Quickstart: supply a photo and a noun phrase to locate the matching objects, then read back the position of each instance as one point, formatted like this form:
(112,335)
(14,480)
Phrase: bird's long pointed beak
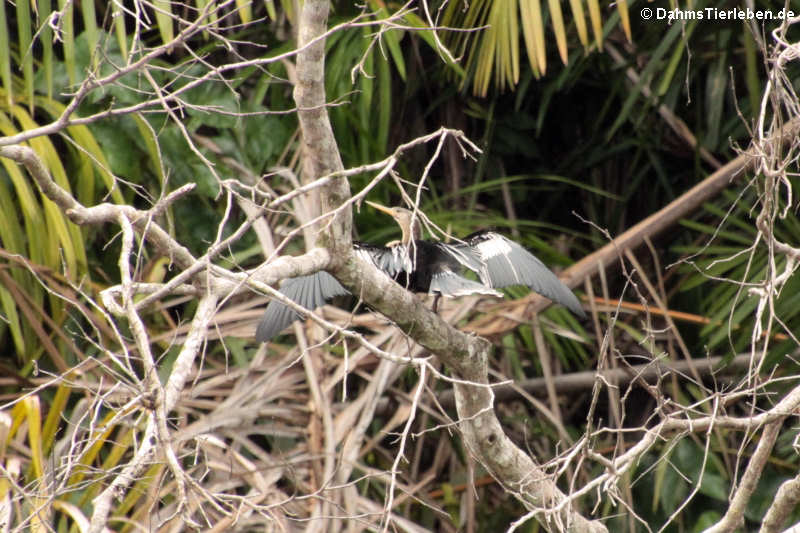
(380,207)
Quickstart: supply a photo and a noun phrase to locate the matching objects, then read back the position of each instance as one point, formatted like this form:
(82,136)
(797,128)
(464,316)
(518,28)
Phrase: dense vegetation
(571,148)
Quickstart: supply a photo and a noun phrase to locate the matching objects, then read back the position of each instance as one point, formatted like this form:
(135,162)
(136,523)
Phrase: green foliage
(726,252)
(493,52)
(579,139)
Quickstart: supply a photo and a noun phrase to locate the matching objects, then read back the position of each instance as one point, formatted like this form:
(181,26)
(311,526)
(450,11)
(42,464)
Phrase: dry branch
(495,320)
(620,376)
(465,354)
(224,404)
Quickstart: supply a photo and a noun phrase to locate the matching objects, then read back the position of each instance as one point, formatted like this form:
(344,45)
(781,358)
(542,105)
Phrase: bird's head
(404,218)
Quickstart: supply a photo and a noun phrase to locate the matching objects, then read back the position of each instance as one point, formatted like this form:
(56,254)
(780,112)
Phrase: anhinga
(427,266)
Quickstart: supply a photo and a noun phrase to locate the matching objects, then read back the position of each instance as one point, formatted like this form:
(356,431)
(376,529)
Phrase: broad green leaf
(288,9)
(366,83)
(715,95)
(91,32)
(68,37)
(12,320)
(655,63)
(54,416)
(97,439)
(270,6)
(712,230)
(533,32)
(245,10)
(46,42)
(83,137)
(707,520)
(210,5)
(5,57)
(557,19)
(163,10)
(11,233)
(118,15)
(25,196)
(753,69)
(427,36)
(714,486)
(65,238)
(392,41)
(580,21)
(660,474)
(33,414)
(597,23)
(674,61)
(139,492)
(384,104)
(24,24)
(487,50)
(622,8)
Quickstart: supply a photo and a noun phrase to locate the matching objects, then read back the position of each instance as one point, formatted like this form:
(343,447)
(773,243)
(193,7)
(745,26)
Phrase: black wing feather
(449,283)
(315,290)
(507,263)
(310,291)
(390,259)
(498,262)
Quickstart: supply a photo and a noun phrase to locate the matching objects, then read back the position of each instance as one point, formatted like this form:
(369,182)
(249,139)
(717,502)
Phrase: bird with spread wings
(429,267)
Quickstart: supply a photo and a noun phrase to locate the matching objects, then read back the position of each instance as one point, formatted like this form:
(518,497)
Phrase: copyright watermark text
(714,14)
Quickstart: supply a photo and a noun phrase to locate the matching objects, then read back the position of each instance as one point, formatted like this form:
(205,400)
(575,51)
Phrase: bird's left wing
(390,259)
(505,263)
(310,291)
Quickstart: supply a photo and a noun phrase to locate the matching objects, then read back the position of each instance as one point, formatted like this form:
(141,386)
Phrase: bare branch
(467,355)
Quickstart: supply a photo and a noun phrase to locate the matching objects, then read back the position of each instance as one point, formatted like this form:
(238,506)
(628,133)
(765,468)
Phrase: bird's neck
(414,233)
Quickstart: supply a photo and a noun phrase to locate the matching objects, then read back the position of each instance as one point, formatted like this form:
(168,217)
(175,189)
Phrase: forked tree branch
(466,354)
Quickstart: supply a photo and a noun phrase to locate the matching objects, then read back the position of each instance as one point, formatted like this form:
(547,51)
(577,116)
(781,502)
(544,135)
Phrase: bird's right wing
(310,291)
(449,283)
(505,263)
(315,290)
(465,254)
